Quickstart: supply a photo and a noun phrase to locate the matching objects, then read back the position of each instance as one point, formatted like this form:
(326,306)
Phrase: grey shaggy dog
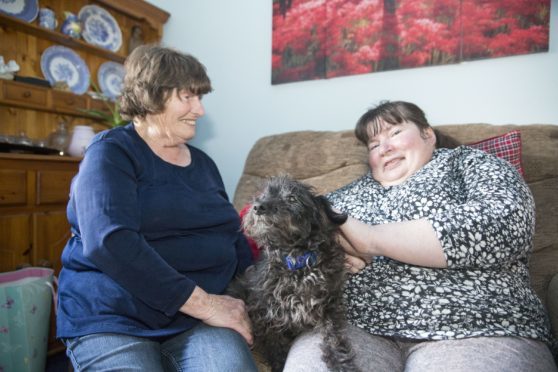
(297,283)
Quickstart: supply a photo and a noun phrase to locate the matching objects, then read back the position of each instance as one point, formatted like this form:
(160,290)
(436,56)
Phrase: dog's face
(287,212)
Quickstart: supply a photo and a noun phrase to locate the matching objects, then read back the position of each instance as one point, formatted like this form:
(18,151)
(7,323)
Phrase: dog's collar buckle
(308,259)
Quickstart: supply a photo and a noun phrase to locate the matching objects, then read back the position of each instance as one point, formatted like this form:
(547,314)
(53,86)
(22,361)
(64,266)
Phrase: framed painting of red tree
(317,39)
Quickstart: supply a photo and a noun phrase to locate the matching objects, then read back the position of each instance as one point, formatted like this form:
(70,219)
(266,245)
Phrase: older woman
(448,236)
(155,240)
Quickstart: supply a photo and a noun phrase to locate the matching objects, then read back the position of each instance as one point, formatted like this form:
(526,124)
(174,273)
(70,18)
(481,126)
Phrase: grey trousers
(382,354)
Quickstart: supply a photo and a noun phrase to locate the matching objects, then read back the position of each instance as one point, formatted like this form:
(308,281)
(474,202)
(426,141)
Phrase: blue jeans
(202,348)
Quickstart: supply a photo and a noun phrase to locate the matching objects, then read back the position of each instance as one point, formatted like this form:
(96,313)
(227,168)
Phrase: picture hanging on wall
(319,39)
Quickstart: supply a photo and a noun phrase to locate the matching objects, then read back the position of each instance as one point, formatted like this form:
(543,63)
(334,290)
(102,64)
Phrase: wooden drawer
(53,187)
(68,101)
(25,94)
(13,187)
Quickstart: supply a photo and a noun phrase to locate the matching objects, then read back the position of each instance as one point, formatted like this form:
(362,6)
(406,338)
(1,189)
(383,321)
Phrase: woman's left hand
(219,311)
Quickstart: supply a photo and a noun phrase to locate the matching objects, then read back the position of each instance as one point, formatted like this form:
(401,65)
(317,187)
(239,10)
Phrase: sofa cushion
(506,146)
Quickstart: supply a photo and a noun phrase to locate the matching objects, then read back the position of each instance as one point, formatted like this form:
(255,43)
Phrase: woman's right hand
(413,242)
(219,311)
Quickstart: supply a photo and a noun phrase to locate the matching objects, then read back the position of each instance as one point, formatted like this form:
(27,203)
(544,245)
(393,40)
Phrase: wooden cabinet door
(51,232)
(15,241)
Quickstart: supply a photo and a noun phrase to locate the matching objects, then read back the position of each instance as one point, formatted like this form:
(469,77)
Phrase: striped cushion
(506,146)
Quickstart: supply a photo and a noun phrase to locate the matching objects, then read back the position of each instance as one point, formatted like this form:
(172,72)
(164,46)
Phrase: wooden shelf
(34,97)
(58,37)
(32,157)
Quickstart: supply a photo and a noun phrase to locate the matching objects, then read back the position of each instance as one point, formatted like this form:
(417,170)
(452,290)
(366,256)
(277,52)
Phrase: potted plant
(111,118)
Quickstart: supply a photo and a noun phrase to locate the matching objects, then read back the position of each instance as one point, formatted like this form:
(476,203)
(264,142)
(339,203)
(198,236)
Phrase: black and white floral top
(483,214)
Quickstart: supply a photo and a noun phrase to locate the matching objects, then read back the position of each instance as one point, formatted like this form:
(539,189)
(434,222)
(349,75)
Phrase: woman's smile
(393,163)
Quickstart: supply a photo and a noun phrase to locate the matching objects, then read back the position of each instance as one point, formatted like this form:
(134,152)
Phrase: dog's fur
(288,218)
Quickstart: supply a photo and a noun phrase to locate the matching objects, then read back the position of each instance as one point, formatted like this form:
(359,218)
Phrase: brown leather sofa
(329,160)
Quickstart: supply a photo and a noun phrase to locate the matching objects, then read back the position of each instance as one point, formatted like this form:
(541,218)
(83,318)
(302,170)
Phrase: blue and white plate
(59,63)
(100,28)
(22,9)
(111,79)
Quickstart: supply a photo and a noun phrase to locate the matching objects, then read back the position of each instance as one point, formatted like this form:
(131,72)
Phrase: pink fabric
(506,146)
(30,272)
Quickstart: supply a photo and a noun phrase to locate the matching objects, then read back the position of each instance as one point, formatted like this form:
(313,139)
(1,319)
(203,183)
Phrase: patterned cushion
(506,146)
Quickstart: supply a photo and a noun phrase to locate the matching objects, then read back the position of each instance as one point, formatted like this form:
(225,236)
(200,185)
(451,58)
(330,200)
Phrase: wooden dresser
(34,189)
(34,193)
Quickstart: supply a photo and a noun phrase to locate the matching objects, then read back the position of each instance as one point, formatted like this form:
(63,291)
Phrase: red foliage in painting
(353,37)
(314,39)
(299,39)
(493,28)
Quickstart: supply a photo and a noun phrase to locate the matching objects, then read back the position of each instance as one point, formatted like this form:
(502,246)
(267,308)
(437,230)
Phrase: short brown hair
(153,72)
(393,113)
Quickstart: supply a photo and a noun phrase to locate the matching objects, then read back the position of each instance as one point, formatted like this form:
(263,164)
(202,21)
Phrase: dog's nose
(262,208)
(259,209)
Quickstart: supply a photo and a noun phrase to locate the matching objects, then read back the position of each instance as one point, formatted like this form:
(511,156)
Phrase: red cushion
(506,146)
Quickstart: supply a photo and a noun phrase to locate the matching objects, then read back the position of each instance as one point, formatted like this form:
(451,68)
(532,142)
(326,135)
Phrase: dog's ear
(333,216)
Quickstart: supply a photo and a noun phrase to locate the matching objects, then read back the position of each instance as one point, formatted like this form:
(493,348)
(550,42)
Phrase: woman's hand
(354,264)
(414,242)
(219,311)
(350,250)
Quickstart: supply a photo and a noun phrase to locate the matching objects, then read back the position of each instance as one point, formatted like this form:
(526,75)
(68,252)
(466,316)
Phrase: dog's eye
(291,198)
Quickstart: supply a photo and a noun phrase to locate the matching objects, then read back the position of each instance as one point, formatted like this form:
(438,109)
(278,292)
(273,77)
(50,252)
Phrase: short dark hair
(153,72)
(393,113)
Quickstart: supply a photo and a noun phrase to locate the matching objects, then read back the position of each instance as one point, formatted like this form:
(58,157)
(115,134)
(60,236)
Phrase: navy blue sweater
(145,233)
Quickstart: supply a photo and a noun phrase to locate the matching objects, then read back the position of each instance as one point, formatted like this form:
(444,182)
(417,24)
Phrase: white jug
(81,138)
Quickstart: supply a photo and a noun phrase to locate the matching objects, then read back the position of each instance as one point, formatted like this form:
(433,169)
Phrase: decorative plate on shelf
(111,78)
(100,28)
(26,10)
(59,63)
